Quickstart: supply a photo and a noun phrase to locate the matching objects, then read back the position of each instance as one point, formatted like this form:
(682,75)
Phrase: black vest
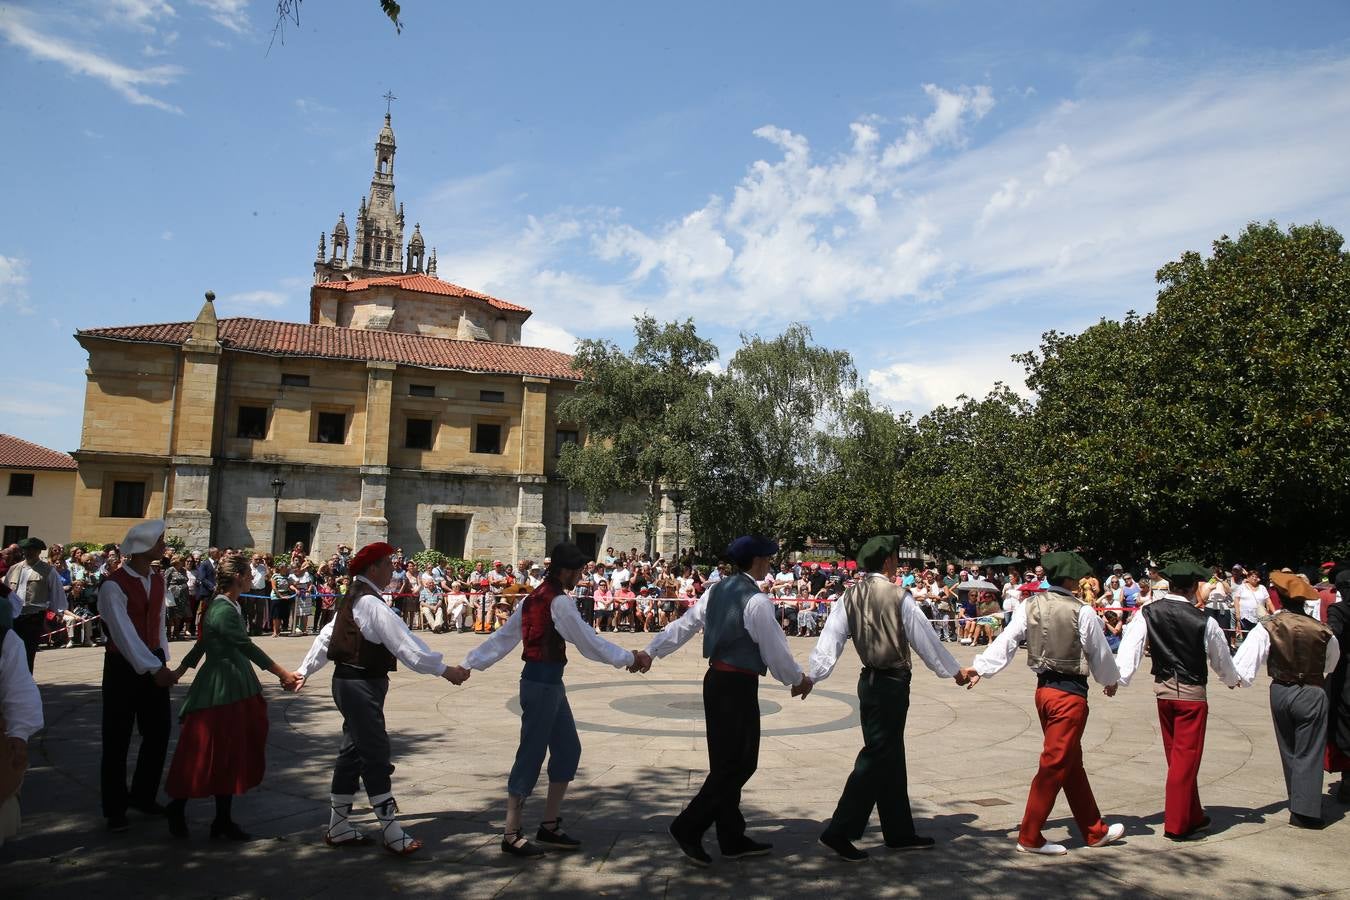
(1176,639)
(346,644)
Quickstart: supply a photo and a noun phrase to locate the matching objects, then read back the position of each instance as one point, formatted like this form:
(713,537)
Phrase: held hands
(291,681)
(642,662)
(967,678)
(1110,690)
(456,675)
(803,687)
(167,677)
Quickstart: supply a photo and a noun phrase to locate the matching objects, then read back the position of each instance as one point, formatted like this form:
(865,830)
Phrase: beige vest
(34,596)
(1298,648)
(873,608)
(1053,641)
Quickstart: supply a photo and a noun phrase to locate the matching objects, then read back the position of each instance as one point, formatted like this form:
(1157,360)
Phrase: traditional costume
(545,622)
(742,641)
(1338,691)
(20,718)
(365,641)
(131,604)
(1181,639)
(1065,643)
(39,590)
(1299,652)
(885,623)
(222,745)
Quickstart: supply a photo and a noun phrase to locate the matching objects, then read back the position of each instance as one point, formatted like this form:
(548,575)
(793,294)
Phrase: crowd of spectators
(295,594)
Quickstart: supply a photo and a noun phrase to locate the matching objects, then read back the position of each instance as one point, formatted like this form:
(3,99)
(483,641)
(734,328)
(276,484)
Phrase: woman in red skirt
(221,747)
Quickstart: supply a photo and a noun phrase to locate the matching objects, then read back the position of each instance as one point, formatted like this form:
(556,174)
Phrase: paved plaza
(971,756)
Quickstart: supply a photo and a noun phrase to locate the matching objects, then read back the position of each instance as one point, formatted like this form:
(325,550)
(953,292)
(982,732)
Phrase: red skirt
(221,750)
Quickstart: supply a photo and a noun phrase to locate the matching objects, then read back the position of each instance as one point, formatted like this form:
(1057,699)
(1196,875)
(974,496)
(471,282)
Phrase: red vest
(540,639)
(146,613)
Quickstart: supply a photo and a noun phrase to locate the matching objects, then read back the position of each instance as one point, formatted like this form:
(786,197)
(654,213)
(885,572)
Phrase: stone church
(405,409)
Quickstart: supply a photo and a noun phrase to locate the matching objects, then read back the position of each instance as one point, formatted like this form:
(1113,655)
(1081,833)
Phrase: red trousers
(1183,734)
(1063,718)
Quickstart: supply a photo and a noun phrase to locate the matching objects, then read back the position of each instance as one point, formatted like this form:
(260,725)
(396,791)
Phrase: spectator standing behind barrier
(283,595)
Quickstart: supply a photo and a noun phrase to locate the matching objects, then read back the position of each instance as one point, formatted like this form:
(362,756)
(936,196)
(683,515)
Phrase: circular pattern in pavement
(629,711)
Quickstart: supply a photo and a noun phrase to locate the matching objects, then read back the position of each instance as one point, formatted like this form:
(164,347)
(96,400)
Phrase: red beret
(1030,587)
(368,556)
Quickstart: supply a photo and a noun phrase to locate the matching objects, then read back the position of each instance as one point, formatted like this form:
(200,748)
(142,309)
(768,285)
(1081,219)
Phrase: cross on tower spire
(389,98)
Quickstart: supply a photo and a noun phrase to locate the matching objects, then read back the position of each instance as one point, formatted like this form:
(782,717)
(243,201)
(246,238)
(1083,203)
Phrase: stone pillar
(371,524)
(665,527)
(189,517)
(531,535)
(533,426)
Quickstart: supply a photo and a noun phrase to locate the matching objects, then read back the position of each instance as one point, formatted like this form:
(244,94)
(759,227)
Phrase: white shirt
(759,621)
(19,698)
(380,625)
(618,578)
(1256,647)
(1003,648)
(1251,601)
(1131,652)
(56,591)
(918,631)
(569,625)
(112,608)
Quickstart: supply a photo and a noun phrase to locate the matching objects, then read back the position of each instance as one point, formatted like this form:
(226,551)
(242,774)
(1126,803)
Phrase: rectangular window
(128,500)
(418,435)
(492,396)
(421,390)
(448,534)
(15,533)
(292,380)
(252,423)
(331,428)
(20,485)
(487,438)
(296,532)
(562,438)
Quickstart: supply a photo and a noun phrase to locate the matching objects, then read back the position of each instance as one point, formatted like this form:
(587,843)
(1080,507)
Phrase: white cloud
(262,299)
(926,379)
(231,14)
(537,333)
(126,80)
(166,236)
(1060,167)
(13,282)
(945,125)
(142,15)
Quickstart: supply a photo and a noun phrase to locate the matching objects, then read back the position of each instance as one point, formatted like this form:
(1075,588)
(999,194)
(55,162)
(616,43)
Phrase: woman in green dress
(222,744)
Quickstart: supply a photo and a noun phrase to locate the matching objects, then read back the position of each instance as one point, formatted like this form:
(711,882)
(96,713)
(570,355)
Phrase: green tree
(641,412)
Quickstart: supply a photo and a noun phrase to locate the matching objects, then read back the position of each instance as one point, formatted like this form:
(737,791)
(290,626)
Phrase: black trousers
(364,754)
(131,700)
(879,778)
(731,709)
(29,628)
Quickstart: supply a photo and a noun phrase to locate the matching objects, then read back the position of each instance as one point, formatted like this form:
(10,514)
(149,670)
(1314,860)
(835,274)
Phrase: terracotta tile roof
(424,284)
(331,342)
(16,453)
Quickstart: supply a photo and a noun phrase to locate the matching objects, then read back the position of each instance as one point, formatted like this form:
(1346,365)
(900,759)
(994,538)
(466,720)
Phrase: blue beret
(744,549)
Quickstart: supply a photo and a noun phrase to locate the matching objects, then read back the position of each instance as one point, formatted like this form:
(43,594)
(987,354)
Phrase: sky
(929,185)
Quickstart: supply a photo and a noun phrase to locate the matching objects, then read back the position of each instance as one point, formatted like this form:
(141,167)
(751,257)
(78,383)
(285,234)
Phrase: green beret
(873,553)
(32,543)
(1064,564)
(1185,568)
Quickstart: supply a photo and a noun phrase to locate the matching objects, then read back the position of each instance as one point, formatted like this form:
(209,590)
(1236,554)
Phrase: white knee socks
(387,811)
(340,830)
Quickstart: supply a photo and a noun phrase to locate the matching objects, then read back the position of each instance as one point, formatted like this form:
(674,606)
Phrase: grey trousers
(1300,714)
(364,754)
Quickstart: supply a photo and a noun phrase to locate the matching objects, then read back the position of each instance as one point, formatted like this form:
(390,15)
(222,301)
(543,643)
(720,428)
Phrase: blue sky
(928,184)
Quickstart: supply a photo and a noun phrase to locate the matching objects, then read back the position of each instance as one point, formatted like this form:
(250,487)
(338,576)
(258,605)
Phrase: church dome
(386,133)
(417,243)
(340,229)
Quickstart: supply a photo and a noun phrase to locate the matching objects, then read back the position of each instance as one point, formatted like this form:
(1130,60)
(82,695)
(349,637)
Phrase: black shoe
(843,847)
(229,831)
(913,842)
(555,838)
(525,848)
(746,847)
(692,850)
(1310,822)
(1195,834)
(151,808)
(118,824)
(177,821)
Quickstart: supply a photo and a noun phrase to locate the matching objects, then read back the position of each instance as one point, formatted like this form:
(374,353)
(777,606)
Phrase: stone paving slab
(972,754)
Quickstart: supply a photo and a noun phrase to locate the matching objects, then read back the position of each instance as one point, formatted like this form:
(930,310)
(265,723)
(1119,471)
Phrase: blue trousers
(546,725)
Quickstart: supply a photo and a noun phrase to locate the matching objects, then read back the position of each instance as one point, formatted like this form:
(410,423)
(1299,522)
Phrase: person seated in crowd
(806,613)
(1114,628)
(77,617)
(626,603)
(458,610)
(648,614)
(604,606)
(429,605)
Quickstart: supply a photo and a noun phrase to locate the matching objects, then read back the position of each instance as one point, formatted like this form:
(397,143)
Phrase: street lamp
(278,486)
(676,495)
